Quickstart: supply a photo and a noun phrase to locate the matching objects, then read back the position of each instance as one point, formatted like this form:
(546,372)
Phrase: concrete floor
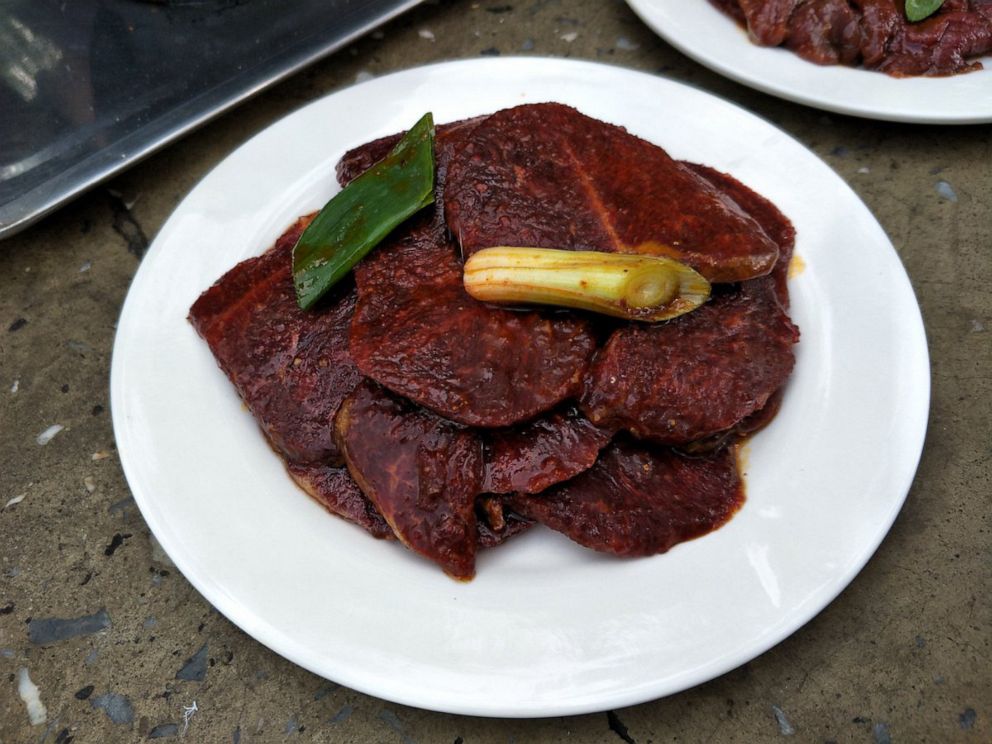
(903,655)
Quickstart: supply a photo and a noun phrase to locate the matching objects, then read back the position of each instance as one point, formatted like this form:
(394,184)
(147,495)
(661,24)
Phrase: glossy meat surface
(826,32)
(531,457)
(767,20)
(292,368)
(740,431)
(335,490)
(346,383)
(944,43)
(638,500)
(421,472)
(872,33)
(643,416)
(882,21)
(697,375)
(544,175)
(418,332)
(775,224)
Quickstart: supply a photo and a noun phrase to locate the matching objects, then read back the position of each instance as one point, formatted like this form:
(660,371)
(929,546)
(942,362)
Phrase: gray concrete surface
(903,655)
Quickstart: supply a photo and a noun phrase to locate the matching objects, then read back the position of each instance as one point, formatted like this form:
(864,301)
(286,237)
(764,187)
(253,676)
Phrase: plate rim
(725,68)
(230,607)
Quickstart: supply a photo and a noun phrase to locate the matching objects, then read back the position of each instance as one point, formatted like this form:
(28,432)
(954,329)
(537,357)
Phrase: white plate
(546,628)
(713,39)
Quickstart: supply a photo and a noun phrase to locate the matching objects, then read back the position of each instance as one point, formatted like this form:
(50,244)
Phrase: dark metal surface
(89,86)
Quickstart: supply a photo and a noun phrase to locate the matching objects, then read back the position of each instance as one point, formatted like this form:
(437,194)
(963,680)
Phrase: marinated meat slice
(826,32)
(740,431)
(546,176)
(779,228)
(768,20)
(418,332)
(939,45)
(292,368)
(536,455)
(421,472)
(881,21)
(638,500)
(874,33)
(775,224)
(335,490)
(697,375)
(359,159)
(496,525)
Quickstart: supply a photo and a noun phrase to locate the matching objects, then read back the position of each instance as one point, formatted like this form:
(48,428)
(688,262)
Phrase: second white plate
(546,628)
(713,39)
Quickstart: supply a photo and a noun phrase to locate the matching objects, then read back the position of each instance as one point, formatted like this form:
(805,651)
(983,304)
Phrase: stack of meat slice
(873,33)
(407,407)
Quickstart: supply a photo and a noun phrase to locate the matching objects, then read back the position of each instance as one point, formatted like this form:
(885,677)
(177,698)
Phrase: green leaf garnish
(364,212)
(917,10)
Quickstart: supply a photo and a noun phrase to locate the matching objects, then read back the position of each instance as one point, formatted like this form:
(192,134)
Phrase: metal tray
(88,87)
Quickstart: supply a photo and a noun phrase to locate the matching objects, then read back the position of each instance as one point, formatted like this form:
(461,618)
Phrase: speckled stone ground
(122,648)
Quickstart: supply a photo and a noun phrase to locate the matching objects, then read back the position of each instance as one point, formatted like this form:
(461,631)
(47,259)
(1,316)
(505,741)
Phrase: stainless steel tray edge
(42,200)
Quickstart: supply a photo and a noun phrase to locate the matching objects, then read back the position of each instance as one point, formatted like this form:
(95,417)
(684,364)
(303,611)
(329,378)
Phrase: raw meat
(421,472)
(335,490)
(637,500)
(418,332)
(696,375)
(775,224)
(536,455)
(546,176)
(873,33)
(291,367)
